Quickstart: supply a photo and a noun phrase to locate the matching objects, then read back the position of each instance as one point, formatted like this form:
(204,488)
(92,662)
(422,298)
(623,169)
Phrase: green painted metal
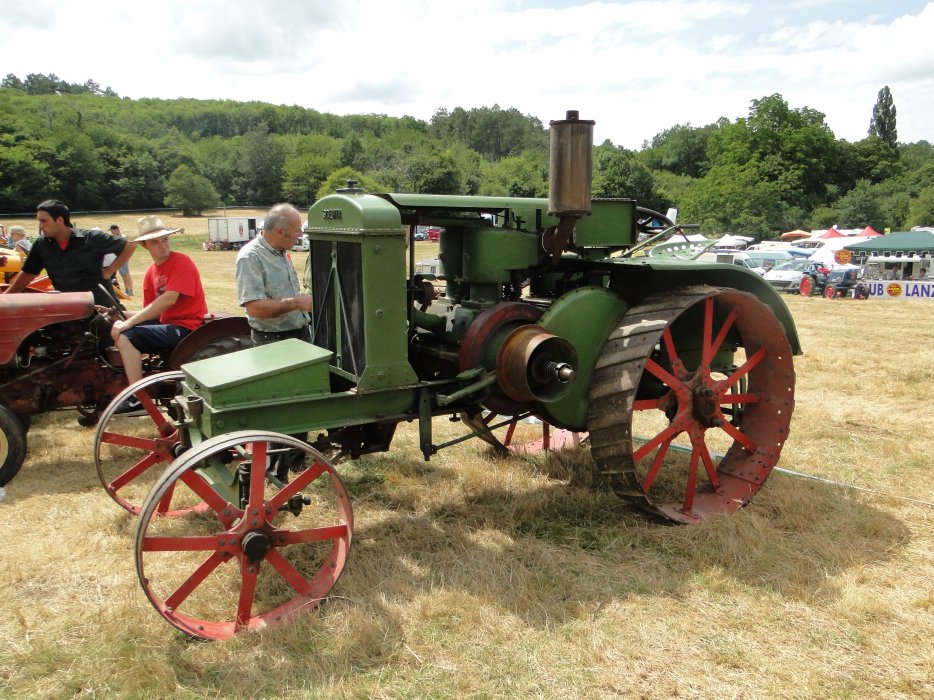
(325,411)
(584,317)
(611,223)
(381,314)
(354,212)
(637,278)
(495,255)
(290,369)
(285,387)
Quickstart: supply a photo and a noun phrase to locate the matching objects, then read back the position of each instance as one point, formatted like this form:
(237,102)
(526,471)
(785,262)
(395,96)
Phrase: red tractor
(56,352)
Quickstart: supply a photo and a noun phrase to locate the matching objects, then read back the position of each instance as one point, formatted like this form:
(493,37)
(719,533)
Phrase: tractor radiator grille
(337,293)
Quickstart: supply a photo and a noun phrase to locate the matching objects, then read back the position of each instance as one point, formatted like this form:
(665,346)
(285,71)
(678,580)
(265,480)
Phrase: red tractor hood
(22,314)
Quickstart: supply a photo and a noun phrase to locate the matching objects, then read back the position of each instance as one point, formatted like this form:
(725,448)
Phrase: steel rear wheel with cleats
(130,452)
(691,402)
(261,553)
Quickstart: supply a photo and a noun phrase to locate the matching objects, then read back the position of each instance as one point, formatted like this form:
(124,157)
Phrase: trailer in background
(230,233)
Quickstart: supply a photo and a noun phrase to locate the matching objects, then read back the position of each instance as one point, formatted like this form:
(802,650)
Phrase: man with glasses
(267,285)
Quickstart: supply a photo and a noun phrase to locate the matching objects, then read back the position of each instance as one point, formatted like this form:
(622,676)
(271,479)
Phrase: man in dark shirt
(73,258)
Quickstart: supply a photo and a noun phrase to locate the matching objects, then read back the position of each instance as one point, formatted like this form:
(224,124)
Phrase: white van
(767,259)
(732,257)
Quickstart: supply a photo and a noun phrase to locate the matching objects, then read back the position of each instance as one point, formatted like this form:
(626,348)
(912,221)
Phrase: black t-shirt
(77,268)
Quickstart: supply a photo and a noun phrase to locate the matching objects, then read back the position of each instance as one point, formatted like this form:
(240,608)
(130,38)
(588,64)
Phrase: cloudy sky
(636,68)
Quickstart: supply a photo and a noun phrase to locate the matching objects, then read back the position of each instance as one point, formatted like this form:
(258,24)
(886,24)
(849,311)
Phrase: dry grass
(472,577)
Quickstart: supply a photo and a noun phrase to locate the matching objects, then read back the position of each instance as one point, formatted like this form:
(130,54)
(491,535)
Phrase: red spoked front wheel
(261,552)
(691,402)
(131,450)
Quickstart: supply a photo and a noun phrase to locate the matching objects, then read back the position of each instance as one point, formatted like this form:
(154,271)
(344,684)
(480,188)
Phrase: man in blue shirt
(267,285)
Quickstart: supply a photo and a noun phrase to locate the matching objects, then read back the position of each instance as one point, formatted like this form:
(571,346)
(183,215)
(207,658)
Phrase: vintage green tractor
(681,373)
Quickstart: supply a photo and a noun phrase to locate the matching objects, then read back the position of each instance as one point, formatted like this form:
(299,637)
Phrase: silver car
(787,276)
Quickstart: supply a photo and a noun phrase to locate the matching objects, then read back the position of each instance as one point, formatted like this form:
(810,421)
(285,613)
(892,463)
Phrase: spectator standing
(267,284)
(173,305)
(72,257)
(18,240)
(125,267)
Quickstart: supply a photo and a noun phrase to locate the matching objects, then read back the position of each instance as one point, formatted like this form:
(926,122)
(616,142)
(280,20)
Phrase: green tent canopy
(917,242)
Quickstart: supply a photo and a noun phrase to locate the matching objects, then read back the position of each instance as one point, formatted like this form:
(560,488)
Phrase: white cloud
(635,67)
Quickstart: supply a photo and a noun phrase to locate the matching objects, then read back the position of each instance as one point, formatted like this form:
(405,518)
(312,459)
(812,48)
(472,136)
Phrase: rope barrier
(802,475)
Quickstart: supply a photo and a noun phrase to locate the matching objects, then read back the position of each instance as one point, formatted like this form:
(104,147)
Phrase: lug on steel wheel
(261,553)
(510,434)
(131,451)
(691,402)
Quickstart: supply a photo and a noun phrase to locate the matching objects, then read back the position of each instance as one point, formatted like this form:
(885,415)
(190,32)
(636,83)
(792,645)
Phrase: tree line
(776,169)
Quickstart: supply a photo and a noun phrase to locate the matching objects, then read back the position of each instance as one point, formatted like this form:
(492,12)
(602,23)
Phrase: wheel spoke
(665,436)
(249,572)
(141,443)
(197,483)
(139,468)
(192,582)
(721,336)
(740,398)
(656,465)
(258,473)
(288,572)
(667,377)
(708,463)
(187,543)
(688,502)
(316,534)
(739,436)
(744,369)
(301,480)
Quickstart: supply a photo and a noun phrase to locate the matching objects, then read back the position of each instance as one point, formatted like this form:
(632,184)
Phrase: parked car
(787,276)
(767,259)
(302,245)
(421,233)
(732,257)
(434,233)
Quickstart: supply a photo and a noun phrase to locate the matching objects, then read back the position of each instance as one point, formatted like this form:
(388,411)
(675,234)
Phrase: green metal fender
(635,279)
(584,317)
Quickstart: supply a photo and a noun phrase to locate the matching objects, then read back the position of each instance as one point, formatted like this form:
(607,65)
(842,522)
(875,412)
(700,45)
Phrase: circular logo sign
(894,290)
(843,257)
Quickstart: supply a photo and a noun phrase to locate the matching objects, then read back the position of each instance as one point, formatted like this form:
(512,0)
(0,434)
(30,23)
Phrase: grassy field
(484,578)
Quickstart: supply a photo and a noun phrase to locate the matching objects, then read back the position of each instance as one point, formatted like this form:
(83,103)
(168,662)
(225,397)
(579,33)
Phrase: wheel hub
(256,545)
(704,406)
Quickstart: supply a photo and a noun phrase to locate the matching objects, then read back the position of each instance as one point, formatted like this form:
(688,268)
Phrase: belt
(279,335)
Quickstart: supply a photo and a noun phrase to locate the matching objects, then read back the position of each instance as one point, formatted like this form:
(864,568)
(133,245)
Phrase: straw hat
(152,227)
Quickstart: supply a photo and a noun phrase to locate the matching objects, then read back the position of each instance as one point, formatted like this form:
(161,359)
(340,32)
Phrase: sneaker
(129,292)
(130,407)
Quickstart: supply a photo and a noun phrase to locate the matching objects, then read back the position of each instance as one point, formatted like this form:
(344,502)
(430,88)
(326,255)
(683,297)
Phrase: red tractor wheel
(131,451)
(277,548)
(691,402)
(830,292)
(12,444)
(807,286)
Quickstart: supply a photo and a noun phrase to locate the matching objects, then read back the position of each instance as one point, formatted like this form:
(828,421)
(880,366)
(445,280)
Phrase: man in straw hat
(173,305)
(72,257)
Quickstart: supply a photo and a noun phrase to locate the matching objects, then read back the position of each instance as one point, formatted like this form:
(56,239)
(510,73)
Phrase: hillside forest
(776,169)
